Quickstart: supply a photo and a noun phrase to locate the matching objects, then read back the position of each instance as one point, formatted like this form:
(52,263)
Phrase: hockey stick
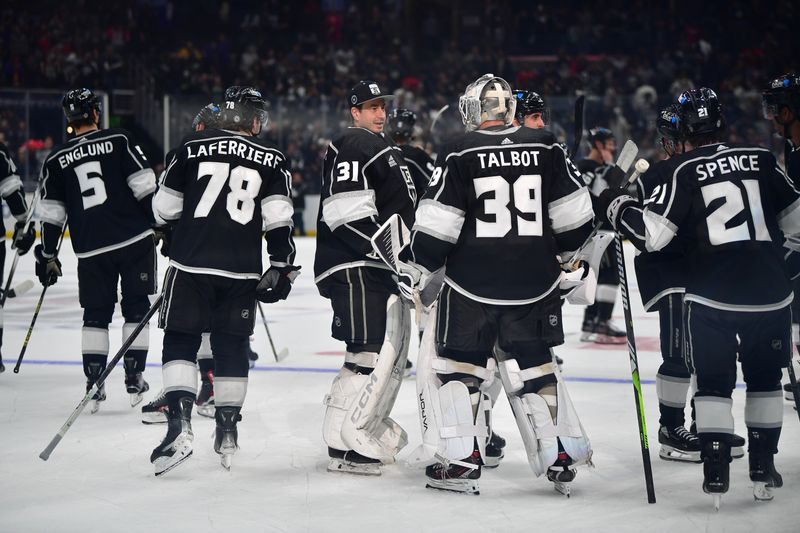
(794,386)
(36,312)
(279,356)
(634,360)
(45,455)
(578,131)
(19,290)
(620,169)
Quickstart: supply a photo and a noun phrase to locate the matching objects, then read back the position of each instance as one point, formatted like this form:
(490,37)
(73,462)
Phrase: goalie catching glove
(23,239)
(48,269)
(612,202)
(276,283)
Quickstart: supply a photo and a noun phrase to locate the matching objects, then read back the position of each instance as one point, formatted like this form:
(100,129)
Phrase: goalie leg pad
(367,428)
(533,414)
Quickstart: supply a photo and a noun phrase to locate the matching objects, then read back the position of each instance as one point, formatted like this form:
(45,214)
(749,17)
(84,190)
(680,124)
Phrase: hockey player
(732,204)
(364,182)
(400,127)
(220,189)
(781,104)
(530,110)
(502,203)
(597,326)
(12,193)
(100,183)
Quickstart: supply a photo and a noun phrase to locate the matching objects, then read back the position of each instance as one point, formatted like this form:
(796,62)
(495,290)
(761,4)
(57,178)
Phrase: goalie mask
(487,98)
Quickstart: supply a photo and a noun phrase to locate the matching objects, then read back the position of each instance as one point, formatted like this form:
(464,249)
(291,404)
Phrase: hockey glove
(612,202)
(23,240)
(48,269)
(415,279)
(276,283)
(163,234)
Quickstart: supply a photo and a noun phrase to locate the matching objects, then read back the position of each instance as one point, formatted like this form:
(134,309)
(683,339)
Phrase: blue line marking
(298,369)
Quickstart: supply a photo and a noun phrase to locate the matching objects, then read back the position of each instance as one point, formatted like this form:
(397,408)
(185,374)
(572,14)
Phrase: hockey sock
(763,413)
(95,350)
(136,356)
(590,313)
(605,309)
(671,393)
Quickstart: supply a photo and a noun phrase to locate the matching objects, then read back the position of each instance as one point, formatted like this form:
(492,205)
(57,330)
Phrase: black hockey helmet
(528,103)
(78,104)
(243,104)
(670,128)
(208,116)
(599,134)
(400,124)
(701,112)
(781,92)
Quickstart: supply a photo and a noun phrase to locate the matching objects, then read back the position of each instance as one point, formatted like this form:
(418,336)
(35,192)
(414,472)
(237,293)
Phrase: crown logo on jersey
(506,141)
(392,162)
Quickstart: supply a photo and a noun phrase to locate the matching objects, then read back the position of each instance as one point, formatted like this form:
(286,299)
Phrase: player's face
(371,116)
(534,121)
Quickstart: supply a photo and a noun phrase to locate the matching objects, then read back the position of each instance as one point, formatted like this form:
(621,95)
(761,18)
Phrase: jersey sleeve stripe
(659,231)
(439,220)
(789,219)
(350,206)
(52,212)
(571,211)
(10,185)
(142,183)
(276,211)
(167,203)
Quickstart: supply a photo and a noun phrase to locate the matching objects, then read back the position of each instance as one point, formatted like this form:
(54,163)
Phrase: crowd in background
(630,57)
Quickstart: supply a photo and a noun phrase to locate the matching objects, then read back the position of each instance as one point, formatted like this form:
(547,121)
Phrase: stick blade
(283,354)
(45,455)
(20,289)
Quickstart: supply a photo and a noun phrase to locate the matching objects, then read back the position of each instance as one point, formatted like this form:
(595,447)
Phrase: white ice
(100,479)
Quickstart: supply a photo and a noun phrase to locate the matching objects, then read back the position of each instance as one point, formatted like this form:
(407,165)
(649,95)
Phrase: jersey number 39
(527,199)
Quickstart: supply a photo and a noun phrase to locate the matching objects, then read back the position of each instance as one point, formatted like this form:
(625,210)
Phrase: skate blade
(762,492)
(206,410)
(154,418)
(166,464)
(359,469)
(605,339)
(562,488)
(459,486)
(226,459)
(136,398)
(492,462)
(717,501)
(95,406)
(587,337)
(737,452)
(668,453)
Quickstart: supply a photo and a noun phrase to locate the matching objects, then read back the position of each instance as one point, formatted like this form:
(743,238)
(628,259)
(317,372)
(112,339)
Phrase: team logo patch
(143,276)
(373,88)
(777,344)
(553,320)
(245,313)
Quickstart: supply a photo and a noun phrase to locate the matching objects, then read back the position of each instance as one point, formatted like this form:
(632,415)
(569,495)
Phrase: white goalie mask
(487,98)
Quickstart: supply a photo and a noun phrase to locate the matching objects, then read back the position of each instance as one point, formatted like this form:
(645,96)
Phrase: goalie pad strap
(536,372)
(464,430)
(362,359)
(448,366)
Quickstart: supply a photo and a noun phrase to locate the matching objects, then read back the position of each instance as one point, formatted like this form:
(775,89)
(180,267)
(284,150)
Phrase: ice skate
(457,476)
(352,462)
(787,389)
(607,333)
(177,444)
(99,396)
(205,397)
(562,473)
(2,367)
(716,469)
(678,444)
(226,439)
(156,411)
(409,368)
(764,476)
(494,451)
(136,387)
(737,442)
(587,330)
(252,357)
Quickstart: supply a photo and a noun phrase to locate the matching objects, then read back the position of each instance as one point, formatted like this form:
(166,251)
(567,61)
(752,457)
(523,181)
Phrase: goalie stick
(578,130)
(279,356)
(45,455)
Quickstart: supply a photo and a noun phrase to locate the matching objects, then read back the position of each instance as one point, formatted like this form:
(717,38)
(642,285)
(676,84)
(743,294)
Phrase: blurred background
(157,62)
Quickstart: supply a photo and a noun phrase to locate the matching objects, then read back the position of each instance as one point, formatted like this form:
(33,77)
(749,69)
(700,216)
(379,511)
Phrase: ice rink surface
(100,477)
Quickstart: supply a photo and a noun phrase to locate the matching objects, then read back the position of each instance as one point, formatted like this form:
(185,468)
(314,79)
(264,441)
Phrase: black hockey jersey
(220,191)
(11,187)
(102,185)
(501,204)
(733,206)
(421,166)
(364,181)
(663,272)
(594,176)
